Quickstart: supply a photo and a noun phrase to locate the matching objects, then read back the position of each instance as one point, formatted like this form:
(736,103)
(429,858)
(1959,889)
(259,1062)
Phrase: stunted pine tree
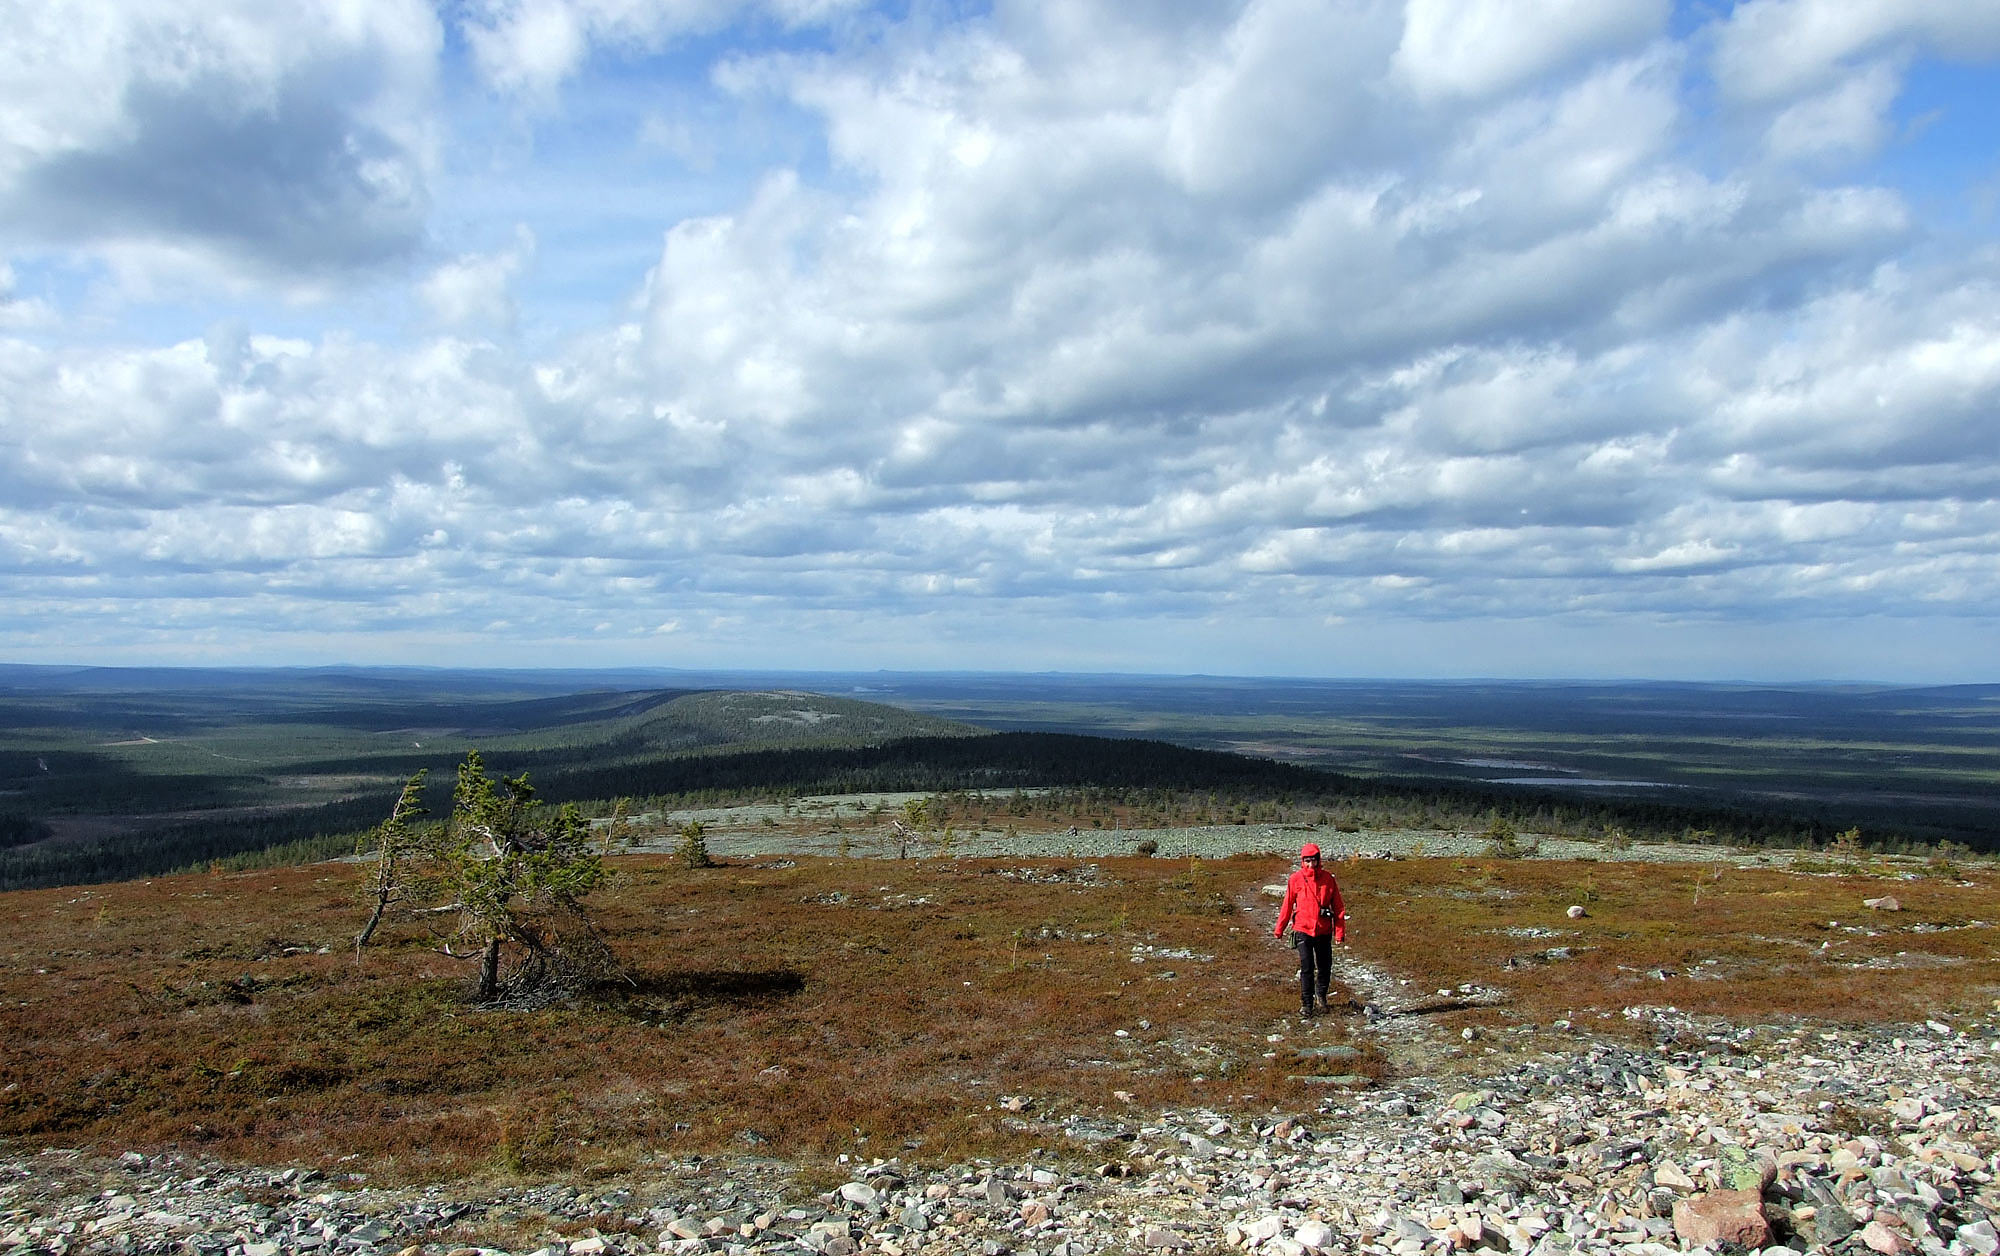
(518,875)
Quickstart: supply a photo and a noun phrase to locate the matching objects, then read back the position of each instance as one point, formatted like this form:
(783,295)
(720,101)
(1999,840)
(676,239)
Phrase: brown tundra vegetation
(804,1007)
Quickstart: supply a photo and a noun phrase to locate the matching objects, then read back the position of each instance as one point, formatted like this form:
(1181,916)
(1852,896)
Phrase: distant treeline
(19,830)
(1166,780)
(316,833)
(1127,765)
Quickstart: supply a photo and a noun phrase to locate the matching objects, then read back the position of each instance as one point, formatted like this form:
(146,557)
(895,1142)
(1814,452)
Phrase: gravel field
(771,829)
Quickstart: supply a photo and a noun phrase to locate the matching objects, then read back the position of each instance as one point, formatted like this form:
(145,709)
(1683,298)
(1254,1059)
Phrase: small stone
(1740,1170)
(592,1246)
(1979,1238)
(1554,1243)
(1161,1237)
(1264,1229)
(859,1193)
(821,1235)
(1829,1223)
(1880,1238)
(1313,1234)
(1576,911)
(1670,1175)
(1405,1228)
(1722,1217)
(1885,903)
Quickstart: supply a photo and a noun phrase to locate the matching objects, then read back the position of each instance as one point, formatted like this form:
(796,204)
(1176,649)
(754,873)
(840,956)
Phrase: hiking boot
(1306,1011)
(1325,1008)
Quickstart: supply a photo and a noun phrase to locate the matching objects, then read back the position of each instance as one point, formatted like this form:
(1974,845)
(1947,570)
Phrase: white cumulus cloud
(285,143)
(1068,334)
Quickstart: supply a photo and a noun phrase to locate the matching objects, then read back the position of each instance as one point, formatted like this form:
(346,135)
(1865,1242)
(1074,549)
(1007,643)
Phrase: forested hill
(1112,770)
(934,764)
(782,718)
(666,777)
(111,774)
(100,781)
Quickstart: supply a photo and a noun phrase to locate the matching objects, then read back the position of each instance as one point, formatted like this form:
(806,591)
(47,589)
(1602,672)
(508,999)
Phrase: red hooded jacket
(1312,905)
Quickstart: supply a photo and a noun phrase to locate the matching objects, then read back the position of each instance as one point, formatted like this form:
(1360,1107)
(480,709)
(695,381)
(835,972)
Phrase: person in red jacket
(1318,918)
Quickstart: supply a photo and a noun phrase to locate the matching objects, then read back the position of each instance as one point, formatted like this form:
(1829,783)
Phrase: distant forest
(113,773)
(1187,785)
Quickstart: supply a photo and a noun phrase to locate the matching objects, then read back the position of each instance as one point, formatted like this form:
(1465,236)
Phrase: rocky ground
(1534,1141)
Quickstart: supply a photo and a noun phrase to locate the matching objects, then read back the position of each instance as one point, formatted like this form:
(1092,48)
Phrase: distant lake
(1585,782)
(1503,763)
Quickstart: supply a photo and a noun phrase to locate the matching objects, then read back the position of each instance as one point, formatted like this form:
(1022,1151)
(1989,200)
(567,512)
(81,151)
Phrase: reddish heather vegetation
(930,1009)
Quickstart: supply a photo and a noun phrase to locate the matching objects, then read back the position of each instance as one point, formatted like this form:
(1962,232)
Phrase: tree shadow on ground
(685,994)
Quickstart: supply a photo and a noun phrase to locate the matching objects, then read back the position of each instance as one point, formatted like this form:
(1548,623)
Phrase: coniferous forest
(106,774)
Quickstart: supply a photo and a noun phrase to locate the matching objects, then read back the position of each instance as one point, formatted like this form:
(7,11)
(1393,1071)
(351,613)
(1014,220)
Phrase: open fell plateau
(1026,1055)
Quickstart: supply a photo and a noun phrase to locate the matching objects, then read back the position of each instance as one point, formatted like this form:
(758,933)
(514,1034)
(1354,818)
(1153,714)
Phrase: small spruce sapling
(1503,841)
(1847,849)
(693,848)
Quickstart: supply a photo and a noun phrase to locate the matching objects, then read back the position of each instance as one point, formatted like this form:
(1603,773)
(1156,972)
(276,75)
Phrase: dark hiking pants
(1315,965)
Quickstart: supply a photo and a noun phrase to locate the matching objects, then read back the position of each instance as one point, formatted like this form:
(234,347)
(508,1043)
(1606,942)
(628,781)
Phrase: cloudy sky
(1412,337)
